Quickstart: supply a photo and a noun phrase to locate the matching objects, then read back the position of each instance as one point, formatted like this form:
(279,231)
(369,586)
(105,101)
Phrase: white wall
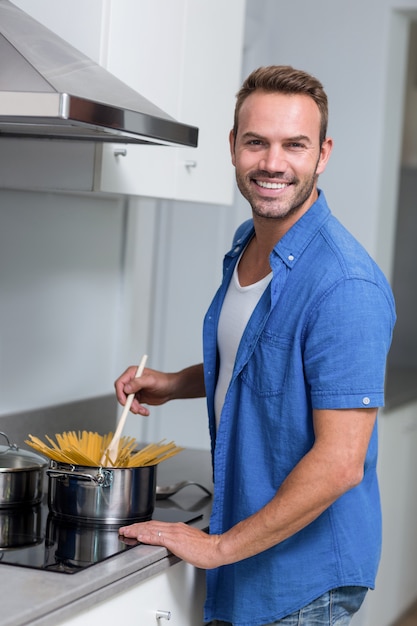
(60,278)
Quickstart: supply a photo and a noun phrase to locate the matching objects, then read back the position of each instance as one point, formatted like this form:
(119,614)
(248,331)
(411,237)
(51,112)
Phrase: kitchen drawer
(176,595)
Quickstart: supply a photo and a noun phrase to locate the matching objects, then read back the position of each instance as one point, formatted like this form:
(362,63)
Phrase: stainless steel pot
(101,495)
(21,475)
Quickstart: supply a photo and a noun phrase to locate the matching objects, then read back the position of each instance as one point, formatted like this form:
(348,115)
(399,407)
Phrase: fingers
(152,388)
(139,408)
(126,384)
(146,532)
(122,381)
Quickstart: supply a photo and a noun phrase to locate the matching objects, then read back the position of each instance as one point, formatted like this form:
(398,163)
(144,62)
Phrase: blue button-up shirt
(318,339)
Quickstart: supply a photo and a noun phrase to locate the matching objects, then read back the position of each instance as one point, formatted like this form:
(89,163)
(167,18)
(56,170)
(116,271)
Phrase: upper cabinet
(183,55)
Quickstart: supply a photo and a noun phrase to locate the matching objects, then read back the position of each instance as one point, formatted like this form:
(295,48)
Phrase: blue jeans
(334,608)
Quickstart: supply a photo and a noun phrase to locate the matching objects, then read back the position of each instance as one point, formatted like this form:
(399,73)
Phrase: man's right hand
(152,388)
(155,387)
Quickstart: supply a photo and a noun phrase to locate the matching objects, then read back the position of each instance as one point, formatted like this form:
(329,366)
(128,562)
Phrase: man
(295,344)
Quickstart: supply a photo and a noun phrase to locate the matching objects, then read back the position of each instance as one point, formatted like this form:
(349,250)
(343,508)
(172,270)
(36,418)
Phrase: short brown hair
(284,79)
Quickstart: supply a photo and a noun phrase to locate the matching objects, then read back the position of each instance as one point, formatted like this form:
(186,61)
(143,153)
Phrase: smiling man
(295,347)
(276,167)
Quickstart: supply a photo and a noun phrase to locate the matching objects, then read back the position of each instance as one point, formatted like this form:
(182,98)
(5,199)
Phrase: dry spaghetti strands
(87,448)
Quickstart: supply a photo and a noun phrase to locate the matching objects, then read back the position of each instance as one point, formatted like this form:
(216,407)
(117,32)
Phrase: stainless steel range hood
(48,89)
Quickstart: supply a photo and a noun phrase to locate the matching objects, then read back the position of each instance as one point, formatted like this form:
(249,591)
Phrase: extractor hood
(48,89)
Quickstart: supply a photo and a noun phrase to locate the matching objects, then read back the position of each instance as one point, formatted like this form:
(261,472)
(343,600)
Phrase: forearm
(189,383)
(308,491)
(334,465)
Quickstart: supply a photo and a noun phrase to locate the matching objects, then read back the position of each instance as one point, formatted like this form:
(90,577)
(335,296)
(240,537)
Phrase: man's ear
(325,151)
(232,145)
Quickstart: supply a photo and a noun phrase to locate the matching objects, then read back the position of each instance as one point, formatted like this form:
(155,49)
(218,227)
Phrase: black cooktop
(33,537)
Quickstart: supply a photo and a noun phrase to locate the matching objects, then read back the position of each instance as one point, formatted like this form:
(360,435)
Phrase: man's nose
(273,159)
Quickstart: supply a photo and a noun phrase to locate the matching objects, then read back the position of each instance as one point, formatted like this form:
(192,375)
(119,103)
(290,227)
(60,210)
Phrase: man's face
(277,153)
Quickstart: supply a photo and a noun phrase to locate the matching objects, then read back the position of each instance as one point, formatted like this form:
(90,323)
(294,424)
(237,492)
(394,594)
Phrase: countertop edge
(106,592)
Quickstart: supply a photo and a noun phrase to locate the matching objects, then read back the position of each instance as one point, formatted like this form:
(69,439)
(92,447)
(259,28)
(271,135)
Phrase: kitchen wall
(88,283)
(61,260)
(60,281)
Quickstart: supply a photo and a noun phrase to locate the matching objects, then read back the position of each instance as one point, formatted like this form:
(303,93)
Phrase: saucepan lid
(13,459)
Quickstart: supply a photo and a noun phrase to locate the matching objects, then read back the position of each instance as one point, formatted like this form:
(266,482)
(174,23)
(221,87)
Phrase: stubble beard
(274,208)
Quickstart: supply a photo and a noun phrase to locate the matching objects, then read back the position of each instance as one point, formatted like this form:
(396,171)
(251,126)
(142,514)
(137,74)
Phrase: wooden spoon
(110,455)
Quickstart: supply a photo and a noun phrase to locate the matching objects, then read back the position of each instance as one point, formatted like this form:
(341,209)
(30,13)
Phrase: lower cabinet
(174,597)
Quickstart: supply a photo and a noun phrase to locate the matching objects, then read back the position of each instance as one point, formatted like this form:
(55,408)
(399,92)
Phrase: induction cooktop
(33,537)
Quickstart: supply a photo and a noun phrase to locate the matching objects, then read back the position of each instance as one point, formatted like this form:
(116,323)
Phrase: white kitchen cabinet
(185,56)
(175,596)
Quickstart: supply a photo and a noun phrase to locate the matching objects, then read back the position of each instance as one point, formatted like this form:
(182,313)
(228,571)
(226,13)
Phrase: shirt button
(291,257)
(366,400)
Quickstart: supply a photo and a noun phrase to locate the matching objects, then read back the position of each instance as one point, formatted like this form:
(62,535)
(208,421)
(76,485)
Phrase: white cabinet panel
(174,597)
(145,48)
(186,57)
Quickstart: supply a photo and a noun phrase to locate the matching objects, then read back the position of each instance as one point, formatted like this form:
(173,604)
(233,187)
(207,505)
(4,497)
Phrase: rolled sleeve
(347,343)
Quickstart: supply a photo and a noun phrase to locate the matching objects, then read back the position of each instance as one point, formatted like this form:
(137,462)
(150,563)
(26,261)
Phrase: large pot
(21,475)
(101,495)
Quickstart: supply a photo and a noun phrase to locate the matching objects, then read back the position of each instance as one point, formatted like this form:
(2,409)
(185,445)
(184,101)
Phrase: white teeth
(271,185)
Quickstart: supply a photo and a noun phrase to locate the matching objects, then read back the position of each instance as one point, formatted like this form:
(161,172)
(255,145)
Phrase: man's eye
(255,142)
(296,145)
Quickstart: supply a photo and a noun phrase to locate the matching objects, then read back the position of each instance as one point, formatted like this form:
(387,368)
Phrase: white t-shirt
(238,306)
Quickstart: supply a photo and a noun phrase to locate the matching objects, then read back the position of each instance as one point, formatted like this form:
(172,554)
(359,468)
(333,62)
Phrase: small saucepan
(21,476)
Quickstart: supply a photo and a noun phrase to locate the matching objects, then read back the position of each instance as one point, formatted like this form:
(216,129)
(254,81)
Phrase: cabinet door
(175,596)
(185,56)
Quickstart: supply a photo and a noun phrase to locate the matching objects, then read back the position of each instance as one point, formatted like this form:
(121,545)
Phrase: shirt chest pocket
(267,371)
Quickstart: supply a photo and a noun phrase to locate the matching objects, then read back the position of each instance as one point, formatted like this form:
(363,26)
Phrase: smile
(267,185)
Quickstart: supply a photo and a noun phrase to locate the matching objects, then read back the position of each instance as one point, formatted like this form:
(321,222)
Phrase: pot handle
(102,478)
(12,446)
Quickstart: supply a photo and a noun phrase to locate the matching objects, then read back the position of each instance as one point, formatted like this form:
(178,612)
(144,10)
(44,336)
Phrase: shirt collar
(293,243)
(290,248)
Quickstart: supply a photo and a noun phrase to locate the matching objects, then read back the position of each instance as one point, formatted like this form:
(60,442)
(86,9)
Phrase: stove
(33,537)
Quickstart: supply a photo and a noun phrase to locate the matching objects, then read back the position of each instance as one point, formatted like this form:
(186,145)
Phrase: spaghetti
(87,448)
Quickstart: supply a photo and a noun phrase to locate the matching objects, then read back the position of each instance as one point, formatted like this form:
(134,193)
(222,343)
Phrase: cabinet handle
(190,164)
(163,615)
(120,152)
